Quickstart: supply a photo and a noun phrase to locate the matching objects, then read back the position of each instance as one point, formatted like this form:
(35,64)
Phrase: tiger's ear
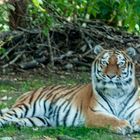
(131,51)
(98,49)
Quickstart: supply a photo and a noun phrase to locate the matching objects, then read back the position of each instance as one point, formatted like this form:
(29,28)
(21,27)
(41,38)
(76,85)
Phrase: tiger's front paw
(124,128)
(136,126)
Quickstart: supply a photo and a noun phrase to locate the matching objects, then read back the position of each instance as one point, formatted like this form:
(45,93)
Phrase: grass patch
(80,133)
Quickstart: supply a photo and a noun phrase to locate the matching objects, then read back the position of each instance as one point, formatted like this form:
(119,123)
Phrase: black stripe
(54,89)
(81,107)
(1,113)
(15,113)
(130,115)
(49,94)
(66,106)
(40,98)
(92,109)
(21,108)
(48,88)
(128,99)
(74,89)
(32,122)
(50,112)
(1,123)
(35,102)
(105,99)
(32,96)
(34,108)
(9,115)
(48,124)
(4,119)
(102,106)
(57,117)
(131,106)
(53,100)
(54,112)
(43,94)
(127,108)
(66,115)
(26,110)
(45,108)
(41,119)
(75,117)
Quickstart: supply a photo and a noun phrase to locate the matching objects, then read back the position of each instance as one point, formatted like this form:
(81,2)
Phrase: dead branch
(67,46)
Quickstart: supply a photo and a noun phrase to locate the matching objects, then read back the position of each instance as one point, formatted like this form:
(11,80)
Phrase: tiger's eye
(121,64)
(103,62)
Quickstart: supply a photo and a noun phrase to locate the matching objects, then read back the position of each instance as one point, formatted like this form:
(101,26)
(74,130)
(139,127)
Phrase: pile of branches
(69,46)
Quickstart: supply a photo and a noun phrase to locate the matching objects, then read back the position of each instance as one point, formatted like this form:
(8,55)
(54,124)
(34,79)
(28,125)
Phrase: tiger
(110,100)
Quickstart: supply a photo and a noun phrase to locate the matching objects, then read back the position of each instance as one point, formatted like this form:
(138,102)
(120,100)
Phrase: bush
(118,13)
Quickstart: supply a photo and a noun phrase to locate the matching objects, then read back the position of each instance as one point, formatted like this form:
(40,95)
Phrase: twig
(13,61)
(50,50)
(34,63)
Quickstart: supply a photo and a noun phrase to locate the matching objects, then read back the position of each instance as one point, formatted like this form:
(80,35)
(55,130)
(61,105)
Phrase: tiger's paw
(18,123)
(136,126)
(124,128)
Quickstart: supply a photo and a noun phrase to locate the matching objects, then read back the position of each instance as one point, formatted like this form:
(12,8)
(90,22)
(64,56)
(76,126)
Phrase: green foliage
(39,18)
(4,17)
(43,13)
(122,13)
(38,4)
(2,50)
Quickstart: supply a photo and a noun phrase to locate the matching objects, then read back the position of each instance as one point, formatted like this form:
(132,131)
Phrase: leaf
(37,3)
(11,7)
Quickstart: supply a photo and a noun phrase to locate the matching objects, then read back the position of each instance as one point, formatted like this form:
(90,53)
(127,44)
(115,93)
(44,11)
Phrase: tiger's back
(61,105)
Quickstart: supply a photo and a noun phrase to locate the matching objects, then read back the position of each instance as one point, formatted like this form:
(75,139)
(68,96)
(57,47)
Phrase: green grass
(40,133)
(15,88)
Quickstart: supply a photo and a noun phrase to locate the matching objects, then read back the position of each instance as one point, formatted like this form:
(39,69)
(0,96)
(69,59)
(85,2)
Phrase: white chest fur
(117,101)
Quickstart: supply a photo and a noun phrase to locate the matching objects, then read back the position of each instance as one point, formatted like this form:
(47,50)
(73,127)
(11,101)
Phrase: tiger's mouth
(118,83)
(115,80)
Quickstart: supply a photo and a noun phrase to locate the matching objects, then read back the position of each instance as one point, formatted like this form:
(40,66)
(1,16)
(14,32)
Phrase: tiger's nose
(111,75)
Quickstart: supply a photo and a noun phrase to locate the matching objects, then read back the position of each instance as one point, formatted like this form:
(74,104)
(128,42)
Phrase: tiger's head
(113,69)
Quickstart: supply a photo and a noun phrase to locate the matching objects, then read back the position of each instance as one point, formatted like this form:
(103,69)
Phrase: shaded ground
(12,86)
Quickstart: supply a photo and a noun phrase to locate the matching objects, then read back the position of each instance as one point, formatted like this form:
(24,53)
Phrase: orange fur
(112,68)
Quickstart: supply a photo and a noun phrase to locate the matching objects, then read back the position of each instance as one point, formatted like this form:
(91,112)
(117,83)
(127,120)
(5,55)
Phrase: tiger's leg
(134,118)
(98,119)
(13,115)
(33,121)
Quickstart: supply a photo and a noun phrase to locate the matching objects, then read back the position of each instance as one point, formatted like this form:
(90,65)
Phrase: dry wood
(67,46)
